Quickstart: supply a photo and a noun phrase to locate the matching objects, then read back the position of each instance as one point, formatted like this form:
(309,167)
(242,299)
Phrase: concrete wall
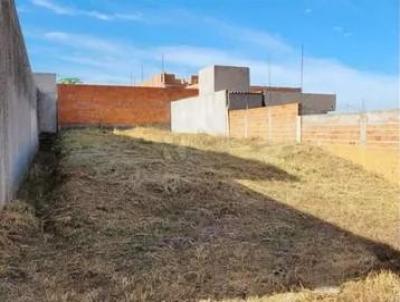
(18,104)
(47,101)
(310,103)
(245,100)
(217,78)
(93,105)
(204,114)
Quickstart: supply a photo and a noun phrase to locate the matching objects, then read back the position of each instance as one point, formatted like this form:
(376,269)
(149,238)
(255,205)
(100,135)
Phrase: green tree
(72,81)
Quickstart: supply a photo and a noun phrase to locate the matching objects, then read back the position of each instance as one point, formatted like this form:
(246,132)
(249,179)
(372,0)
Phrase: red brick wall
(272,123)
(85,105)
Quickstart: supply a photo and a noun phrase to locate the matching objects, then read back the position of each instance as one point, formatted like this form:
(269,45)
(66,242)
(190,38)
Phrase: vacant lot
(145,215)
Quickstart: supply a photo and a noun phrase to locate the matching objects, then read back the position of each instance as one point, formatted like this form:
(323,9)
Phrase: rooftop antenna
(302,68)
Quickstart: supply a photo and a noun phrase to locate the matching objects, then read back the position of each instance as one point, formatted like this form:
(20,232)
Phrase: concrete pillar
(269,137)
(363,129)
(47,102)
(298,129)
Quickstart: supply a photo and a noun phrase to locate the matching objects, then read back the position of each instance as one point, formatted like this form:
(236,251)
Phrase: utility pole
(302,68)
(269,72)
(269,81)
(363,109)
(162,64)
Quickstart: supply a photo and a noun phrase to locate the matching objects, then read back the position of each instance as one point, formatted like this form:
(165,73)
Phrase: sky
(351,47)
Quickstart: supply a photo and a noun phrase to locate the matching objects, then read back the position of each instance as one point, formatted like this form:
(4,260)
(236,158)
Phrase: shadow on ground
(136,220)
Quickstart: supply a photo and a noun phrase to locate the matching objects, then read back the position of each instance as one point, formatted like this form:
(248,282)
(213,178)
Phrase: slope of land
(145,215)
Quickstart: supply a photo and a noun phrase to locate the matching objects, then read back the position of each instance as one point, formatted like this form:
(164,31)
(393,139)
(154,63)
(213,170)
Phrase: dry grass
(150,216)
(381,287)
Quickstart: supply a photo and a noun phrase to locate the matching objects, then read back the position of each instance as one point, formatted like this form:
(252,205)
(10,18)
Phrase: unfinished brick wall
(273,123)
(248,123)
(375,129)
(383,129)
(371,140)
(85,105)
(326,129)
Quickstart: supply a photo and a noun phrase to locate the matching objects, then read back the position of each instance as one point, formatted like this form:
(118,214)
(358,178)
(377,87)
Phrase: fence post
(227,115)
(269,134)
(298,128)
(246,120)
(363,128)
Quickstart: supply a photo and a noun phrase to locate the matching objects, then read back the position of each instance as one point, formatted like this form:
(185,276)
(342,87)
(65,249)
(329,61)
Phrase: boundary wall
(18,104)
(117,106)
(372,129)
(371,139)
(275,124)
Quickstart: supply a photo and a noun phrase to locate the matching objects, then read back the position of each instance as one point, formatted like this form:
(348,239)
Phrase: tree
(72,81)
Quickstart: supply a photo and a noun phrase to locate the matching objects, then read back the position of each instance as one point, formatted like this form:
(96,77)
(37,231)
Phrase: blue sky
(351,46)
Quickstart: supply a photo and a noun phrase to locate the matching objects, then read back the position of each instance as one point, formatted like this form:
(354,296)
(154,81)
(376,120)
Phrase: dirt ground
(145,215)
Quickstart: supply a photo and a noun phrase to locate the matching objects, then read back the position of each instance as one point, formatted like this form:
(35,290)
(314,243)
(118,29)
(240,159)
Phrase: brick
(86,105)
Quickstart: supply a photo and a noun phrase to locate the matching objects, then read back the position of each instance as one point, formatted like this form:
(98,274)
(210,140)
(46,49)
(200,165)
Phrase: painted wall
(204,114)
(47,102)
(18,104)
(94,105)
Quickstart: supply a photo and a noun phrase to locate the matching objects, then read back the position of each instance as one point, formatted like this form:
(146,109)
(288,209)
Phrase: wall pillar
(298,129)
(363,129)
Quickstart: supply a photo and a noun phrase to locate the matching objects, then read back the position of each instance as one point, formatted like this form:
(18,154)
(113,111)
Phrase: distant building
(165,80)
(242,94)
(310,103)
(224,88)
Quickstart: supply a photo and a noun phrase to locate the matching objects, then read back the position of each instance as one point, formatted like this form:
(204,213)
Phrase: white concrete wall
(203,114)
(217,78)
(18,104)
(47,101)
